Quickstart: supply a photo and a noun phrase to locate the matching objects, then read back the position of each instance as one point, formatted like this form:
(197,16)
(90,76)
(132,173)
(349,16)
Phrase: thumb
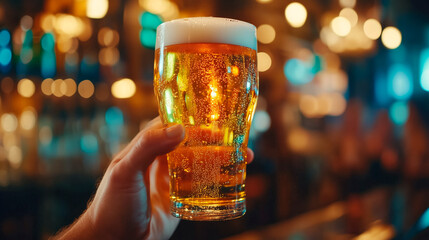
(148,145)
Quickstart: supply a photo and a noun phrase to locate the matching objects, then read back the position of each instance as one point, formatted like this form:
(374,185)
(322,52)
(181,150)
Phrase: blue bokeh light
(150,20)
(28,39)
(424,69)
(424,220)
(5,56)
(48,64)
(89,143)
(114,117)
(400,85)
(298,72)
(261,121)
(148,38)
(399,112)
(48,42)
(4,38)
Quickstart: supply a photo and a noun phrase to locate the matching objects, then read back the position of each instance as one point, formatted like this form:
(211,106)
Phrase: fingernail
(175,131)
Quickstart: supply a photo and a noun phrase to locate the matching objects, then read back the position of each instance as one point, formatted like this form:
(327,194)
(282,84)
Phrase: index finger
(250,155)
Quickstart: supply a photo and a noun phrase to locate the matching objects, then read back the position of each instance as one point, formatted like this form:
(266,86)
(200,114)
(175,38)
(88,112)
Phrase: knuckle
(116,175)
(146,138)
(114,162)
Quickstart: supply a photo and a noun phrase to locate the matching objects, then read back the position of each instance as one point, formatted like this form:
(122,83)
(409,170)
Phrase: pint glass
(206,79)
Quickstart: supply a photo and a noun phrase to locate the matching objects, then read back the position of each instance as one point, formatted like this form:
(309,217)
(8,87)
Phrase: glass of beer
(206,79)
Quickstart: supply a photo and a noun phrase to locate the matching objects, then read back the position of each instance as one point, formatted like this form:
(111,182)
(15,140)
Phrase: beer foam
(206,30)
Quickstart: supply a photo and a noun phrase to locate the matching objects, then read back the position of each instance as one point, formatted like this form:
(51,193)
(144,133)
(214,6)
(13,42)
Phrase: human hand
(132,200)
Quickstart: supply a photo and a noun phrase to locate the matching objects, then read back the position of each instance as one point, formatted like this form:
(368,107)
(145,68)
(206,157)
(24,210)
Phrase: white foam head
(206,30)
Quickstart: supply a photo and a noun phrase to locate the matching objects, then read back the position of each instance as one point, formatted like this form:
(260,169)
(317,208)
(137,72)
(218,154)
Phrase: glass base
(208,210)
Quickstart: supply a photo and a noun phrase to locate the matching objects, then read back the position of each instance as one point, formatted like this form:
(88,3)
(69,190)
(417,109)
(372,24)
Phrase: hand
(132,201)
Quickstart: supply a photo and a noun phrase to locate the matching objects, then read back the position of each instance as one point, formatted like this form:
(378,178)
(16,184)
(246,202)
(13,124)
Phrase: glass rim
(206,30)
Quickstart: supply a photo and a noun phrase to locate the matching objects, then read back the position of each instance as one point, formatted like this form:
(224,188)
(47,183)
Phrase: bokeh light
(48,65)
(57,88)
(4,38)
(308,105)
(329,37)
(26,55)
(350,15)
(166,9)
(424,80)
(70,87)
(47,22)
(347,3)
(67,44)
(114,117)
(266,33)
(264,61)
(5,56)
(296,14)
(399,112)
(86,33)
(8,122)
(108,56)
(149,20)
(48,42)
(424,69)
(261,121)
(298,72)
(155,6)
(148,38)
(26,87)
(333,104)
(123,88)
(68,25)
(324,104)
(15,157)
(26,23)
(333,80)
(18,38)
(372,28)
(400,84)
(424,220)
(341,26)
(96,8)
(338,104)
(108,37)
(89,143)
(86,89)
(391,37)
(298,140)
(28,118)
(48,59)
(10,139)
(27,39)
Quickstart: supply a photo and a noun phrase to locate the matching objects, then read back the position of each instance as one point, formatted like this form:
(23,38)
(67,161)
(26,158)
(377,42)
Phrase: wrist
(82,229)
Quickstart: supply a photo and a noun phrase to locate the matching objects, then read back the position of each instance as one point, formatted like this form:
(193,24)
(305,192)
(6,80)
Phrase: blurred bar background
(340,133)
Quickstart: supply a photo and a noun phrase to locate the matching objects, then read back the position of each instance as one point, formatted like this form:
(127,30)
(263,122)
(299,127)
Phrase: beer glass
(206,79)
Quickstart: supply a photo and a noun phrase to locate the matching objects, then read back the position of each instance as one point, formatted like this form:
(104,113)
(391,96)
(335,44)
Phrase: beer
(211,88)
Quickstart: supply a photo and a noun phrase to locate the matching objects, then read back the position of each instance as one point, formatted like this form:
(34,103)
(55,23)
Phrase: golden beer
(210,88)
